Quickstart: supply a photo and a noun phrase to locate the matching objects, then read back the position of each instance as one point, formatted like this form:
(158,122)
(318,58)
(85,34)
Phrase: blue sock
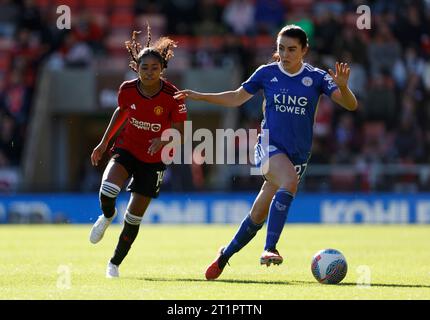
(277,216)
(247,230)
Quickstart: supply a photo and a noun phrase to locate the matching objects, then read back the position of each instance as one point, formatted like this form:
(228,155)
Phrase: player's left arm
(343,95)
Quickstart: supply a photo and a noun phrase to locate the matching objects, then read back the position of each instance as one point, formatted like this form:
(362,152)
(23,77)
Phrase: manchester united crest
(158,110)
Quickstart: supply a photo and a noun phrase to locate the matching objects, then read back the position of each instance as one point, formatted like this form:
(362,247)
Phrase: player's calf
(107,196)
(127,237)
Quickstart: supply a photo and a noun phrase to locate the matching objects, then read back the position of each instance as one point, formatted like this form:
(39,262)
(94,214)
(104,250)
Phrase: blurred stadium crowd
(390,63)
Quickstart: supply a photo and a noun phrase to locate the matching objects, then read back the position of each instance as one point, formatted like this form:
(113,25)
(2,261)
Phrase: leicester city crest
(307,81)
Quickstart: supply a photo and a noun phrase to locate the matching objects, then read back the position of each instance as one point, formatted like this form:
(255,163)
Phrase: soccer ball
(329,266)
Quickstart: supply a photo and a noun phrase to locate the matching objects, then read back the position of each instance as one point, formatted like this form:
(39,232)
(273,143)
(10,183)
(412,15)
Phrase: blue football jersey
(290,104)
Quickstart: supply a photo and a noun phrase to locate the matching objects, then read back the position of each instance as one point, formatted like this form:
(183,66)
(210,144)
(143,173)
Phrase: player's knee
(290,183)
(108,194)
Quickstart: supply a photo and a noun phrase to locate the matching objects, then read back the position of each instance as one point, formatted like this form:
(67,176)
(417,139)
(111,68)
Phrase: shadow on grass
(292,282)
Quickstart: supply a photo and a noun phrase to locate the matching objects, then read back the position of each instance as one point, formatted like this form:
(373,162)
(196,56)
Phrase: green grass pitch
(168,262)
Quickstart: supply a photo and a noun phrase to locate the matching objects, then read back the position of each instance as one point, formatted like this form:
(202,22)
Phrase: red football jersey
(147,117)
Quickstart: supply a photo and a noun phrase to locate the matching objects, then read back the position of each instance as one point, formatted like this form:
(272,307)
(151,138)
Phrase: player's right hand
(98,153)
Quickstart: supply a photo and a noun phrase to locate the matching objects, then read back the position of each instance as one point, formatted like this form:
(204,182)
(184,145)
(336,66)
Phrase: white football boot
(112,271)
(99,227)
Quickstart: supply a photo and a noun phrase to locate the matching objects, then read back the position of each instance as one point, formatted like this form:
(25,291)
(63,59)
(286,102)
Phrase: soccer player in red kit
(146,107)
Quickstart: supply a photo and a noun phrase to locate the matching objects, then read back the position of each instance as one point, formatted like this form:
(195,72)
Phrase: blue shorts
(261,155)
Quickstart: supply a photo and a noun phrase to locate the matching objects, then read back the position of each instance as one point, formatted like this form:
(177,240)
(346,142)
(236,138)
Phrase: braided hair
(162,49)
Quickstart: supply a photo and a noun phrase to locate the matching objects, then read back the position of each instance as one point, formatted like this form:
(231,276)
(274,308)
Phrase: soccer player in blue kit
(292,89)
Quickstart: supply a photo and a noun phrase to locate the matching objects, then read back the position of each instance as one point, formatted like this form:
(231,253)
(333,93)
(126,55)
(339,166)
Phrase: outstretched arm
(118,118)
(226,98)
(343,95)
